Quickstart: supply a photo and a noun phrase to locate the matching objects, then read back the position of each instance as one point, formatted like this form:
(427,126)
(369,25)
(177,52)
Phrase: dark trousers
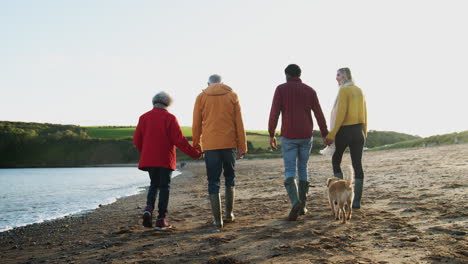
(353,137)
(160,180)
(216,161)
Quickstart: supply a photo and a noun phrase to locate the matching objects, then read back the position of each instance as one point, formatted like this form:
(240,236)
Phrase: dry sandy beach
(415,210)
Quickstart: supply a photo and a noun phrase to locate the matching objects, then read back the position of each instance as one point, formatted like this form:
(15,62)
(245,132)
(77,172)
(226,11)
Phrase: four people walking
(218,132)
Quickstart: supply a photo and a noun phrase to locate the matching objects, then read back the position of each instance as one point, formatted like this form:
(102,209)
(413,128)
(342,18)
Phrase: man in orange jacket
(218,130)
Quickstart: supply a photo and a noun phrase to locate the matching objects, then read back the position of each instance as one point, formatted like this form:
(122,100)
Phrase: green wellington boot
(291,188)
(230,195)
(303,190)
(215,200)
(358,185)
(339,175)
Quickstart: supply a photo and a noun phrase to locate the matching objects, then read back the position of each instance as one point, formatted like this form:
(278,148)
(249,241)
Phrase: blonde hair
(346,73)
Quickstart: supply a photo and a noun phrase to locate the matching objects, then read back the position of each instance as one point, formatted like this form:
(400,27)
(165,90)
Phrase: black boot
(303,190)
(358,186)
(339,175)
(148,216)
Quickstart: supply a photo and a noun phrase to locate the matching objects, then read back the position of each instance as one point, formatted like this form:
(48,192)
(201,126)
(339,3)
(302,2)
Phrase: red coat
(156,136)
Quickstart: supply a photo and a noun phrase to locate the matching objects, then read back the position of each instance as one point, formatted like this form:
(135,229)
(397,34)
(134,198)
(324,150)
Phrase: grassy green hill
(446,139)
(114,132)
(382,138)
(119,132)
(50,145)
(259,140)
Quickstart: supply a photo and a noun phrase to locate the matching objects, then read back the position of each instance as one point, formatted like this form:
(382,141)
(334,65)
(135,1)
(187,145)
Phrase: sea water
(30,196)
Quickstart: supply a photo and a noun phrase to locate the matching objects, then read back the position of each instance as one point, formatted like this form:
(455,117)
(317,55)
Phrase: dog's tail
(349,177)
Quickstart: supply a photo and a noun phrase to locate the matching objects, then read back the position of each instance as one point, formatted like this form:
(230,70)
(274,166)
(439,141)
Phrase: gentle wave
(39,195)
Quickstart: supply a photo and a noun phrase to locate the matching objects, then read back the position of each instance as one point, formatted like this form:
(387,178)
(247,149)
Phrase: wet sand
(414,210)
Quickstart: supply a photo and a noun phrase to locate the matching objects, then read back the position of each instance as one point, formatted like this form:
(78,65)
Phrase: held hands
(240,154)
(327,141)
(202,156)
(273,143)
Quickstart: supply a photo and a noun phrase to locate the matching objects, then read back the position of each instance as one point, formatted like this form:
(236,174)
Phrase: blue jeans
(160,180)
(216,161)
(296,151)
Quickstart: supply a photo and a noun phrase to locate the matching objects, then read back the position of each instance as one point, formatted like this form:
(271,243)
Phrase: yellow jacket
(217,120)
(351,110)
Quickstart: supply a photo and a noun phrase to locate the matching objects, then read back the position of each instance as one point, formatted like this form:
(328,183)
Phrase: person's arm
(197,124)
(319,115)
(240,131)
(178,139)
(340,114)
(364,126)
(274,115)
(138,136)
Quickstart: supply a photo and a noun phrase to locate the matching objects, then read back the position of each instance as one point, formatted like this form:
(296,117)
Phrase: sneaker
(147,219)
(161,224)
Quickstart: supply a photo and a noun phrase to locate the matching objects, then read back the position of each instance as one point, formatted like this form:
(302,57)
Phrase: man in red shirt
(295,101)
(156,136)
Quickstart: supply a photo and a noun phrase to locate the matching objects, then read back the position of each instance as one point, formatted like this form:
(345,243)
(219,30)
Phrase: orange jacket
(217,120)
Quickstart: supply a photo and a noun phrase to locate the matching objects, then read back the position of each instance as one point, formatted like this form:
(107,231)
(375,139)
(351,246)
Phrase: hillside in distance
(53,145)
(258,138)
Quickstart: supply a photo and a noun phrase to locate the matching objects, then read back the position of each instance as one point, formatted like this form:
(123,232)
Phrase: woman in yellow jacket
(349,129)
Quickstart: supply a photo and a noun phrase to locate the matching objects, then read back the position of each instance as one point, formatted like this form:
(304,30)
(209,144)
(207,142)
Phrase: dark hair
(293,70)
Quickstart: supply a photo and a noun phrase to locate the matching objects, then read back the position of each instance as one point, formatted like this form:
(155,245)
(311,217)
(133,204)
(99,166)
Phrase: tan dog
(341,193)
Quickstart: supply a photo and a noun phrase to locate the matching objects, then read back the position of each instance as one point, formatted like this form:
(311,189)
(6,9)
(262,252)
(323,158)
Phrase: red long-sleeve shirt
(294,100)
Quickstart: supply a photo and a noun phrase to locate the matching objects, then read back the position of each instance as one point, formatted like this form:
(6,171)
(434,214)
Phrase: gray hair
(346,73)
(162,100)
(215,78)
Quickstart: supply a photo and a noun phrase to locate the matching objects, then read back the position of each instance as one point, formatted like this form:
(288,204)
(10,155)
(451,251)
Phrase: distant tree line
(50,145)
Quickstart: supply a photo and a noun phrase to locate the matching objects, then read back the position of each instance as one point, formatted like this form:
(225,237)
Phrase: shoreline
(116,165)
(410,214)
(139,191)
(108,165)
(80,213)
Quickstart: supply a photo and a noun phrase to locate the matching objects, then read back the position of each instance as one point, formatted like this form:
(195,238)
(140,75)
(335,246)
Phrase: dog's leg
(342,205)
(337,211)
(331,205)
(350,209)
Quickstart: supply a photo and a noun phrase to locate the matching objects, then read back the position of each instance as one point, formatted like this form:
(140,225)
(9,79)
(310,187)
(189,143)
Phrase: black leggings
(160,180)
(353,137)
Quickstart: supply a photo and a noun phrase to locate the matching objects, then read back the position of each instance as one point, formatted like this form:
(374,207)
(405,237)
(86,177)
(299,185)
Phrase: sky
(101,62)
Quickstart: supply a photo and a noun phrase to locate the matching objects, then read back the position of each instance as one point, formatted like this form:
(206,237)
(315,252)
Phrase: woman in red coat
(156,136)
